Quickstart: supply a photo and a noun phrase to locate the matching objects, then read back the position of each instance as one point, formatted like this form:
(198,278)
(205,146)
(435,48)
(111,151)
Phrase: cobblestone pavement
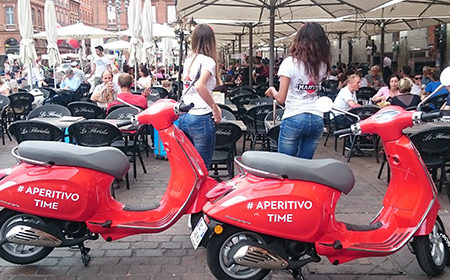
(169,255)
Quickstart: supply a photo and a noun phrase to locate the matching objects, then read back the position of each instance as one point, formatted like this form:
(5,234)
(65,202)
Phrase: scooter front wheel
(18,253)
(220,255)
(432,251)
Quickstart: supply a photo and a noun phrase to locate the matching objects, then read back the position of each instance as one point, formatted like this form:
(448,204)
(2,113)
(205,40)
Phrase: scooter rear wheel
(17,253)
(432,251)
(220,261)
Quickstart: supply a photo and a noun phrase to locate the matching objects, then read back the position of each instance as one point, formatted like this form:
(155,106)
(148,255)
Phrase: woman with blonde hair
(300,76)
(405,99)
(200,77)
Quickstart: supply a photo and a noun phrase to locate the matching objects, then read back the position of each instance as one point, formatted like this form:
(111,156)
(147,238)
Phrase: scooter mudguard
(295,210)
(60,192)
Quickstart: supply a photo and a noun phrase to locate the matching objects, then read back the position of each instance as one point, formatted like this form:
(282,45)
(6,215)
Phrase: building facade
(98,13)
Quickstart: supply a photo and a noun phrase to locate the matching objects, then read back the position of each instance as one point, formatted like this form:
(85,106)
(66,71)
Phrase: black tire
(432,251)
(219,245)
(16,253)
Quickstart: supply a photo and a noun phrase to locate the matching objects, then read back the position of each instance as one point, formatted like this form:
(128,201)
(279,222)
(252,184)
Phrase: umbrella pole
(30,75)
(54,76)
(135,76)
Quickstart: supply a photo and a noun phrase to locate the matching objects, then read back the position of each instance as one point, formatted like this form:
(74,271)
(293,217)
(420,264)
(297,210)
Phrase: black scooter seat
(328,172)
(105,159)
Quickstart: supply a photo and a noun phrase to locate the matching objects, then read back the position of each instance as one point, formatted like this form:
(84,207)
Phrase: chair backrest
(363,112)
(434,140)
(330,86)
(35,130)
(4,101)
(94,133)
(49,111)
(406,100)
(228,115)
(272,136)
(242,90)
(255,117)
(163,93)
(84,88)
(364,94)
(21,104)
(87,110)
(434,103)
(278,115)
(123,113)
(227,134)
(261,101)
(241,100)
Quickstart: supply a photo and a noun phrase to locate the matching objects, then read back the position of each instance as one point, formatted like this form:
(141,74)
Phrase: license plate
(199,232)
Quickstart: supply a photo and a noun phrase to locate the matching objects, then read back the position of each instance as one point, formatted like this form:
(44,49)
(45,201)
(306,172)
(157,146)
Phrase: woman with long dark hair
(300,75)
(200,71)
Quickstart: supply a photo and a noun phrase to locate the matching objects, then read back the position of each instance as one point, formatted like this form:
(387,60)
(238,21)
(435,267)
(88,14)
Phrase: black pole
(271,41)
(340,48)
(180,61)
(382,43)
(250,57)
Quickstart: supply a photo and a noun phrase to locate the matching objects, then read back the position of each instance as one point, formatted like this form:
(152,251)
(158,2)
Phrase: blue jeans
(201,132)
(300,134)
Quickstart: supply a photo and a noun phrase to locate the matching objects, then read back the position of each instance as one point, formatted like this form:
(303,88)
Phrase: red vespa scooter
(279,212)
(59,194)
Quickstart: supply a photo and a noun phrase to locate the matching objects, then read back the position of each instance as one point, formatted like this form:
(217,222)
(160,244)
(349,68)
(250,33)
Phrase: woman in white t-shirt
(200,68)
(300,76)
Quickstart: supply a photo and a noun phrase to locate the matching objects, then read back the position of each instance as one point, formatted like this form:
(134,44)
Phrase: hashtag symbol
(249,205)
(20,189)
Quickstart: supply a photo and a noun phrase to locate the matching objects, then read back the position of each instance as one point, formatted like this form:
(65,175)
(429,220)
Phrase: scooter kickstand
(297,274)
(85,258)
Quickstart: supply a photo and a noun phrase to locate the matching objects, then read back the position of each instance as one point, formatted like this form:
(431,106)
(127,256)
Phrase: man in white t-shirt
(346,99)
(99,65)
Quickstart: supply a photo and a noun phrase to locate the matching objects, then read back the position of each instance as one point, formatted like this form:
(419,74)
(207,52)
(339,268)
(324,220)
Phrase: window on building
(171,14)
(33,16)
(39,22)
(9,15)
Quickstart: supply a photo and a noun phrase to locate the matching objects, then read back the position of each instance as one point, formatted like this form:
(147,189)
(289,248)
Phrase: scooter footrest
(337,245)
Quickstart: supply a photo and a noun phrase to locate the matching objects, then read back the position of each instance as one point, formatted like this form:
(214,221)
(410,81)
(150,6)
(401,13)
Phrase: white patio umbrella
(50,28)
(158,31)
(134,22)
(147,32)
(27,51)
(117,45)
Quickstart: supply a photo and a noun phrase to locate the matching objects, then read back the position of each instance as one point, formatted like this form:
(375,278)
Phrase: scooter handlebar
(430,116)
(185,107)
(124,123)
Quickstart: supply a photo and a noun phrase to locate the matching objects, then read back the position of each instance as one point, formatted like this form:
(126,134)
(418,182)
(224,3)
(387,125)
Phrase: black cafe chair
(97,133)
(227,134)
(433,103)
(85,109)
(363,142)
(35,130)
(364,94)
(433,145)
(21,105)
(256,129)
(49,111)
(4,102)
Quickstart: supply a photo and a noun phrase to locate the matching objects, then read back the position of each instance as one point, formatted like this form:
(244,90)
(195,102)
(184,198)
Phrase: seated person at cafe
(70,81)
(433,85)
(105,92)
(405,99)
(125,81)
(346,100)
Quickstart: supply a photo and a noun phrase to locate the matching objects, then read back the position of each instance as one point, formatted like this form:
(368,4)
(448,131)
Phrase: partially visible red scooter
(59,194)
(279,212)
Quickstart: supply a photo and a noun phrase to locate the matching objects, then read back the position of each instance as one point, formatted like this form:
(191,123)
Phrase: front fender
(427,225)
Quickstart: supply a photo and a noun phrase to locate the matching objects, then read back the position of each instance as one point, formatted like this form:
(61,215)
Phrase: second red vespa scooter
(59,194)
(279,212)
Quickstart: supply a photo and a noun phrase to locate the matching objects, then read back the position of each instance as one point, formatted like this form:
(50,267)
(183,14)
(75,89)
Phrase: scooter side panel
(288,209)
(62,192)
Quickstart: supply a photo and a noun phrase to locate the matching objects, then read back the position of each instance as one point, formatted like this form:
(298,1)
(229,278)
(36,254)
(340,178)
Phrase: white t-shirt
(302,92)
(416,90)
(101,65)
(192,96)
(342,98)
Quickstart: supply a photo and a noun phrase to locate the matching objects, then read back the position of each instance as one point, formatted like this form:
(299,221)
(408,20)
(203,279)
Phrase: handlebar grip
(124,123)
(431,116)
(186,107)
(342,131)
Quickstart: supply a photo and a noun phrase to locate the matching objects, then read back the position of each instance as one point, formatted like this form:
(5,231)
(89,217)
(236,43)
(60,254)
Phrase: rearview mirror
(324,104)
(445,77)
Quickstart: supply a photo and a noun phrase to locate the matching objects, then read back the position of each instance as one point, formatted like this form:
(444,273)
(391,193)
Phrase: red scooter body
(71,194)
(302,211)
